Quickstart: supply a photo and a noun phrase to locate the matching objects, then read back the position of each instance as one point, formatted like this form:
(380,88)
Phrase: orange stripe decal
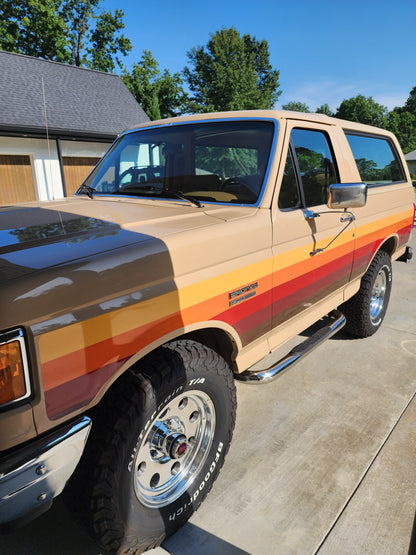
(71,353)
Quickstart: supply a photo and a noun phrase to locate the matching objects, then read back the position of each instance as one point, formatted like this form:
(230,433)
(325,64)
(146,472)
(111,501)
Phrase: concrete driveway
(322,460)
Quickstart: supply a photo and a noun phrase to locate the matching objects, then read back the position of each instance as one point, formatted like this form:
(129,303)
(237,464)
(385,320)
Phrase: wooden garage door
(16,179)
(76,169)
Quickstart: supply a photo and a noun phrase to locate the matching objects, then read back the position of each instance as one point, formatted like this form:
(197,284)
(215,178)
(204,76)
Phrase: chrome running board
(297,353)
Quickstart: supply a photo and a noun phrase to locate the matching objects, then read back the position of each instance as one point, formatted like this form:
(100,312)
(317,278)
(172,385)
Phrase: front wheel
(366,310)
(162,438)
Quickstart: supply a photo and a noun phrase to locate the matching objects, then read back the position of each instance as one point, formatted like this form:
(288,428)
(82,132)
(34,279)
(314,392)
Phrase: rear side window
(376,159)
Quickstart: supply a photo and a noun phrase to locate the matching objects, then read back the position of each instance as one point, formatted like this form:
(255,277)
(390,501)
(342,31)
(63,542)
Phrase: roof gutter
(63,134)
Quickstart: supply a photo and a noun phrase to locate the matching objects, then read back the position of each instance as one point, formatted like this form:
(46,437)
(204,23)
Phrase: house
(56,121)
(411,163)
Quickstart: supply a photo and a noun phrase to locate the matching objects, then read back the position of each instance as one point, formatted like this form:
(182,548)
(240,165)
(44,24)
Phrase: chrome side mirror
(347,195)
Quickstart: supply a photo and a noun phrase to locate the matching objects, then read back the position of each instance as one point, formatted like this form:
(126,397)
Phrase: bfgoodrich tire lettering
(160,443)
(366,310)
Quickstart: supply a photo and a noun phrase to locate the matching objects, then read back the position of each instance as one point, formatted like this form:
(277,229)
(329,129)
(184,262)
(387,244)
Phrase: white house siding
(77,148)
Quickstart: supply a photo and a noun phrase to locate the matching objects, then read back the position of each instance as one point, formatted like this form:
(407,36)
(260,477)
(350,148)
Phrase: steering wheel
(231,181)
(239,188)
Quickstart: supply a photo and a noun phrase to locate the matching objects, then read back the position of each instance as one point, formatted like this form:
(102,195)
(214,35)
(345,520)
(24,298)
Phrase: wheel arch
(218,336)
(389,245)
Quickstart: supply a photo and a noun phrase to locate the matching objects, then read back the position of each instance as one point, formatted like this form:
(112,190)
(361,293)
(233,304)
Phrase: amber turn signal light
(13,383)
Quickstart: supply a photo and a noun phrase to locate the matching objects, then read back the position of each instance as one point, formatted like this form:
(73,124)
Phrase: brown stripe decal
(72,379)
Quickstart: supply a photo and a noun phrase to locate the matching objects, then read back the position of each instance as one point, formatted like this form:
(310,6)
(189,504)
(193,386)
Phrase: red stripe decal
(77,393)
(251,319)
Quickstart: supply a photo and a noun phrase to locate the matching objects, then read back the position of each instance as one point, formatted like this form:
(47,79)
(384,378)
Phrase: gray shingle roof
(411,156)
(79,102)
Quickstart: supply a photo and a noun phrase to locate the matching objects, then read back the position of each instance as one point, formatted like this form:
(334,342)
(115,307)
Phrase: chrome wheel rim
(378,294)
(175,449)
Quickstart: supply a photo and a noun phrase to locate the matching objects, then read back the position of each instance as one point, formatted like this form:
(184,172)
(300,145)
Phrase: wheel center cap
(177,445)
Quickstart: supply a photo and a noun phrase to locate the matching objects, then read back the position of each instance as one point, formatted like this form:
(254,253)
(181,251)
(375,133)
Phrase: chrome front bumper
(32,476)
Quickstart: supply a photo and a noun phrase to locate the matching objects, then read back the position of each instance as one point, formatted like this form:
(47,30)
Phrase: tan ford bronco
(196,247)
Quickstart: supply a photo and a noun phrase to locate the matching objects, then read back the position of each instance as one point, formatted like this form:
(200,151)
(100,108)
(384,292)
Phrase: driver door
(310,270)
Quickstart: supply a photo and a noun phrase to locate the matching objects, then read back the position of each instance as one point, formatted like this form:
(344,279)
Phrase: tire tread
(357,309)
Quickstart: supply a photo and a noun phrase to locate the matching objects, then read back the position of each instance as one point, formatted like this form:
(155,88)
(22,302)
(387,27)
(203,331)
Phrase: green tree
(171,95)
(107,42)
(296,107)
(160,95)
(77,16)
(35,28)
(232,72)
(363,109)
(325,109)
(410,104)
(67,31)
(403,125)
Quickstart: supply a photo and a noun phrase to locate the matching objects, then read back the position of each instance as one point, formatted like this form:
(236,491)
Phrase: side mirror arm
(349,219)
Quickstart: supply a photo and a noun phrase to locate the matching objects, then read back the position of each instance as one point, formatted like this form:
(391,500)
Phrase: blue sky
(325,50)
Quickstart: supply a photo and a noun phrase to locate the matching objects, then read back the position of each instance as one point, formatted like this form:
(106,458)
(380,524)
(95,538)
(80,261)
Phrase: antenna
(47,141)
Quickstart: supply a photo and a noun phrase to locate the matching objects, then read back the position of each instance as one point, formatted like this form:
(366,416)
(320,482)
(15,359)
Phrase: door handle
(349,218)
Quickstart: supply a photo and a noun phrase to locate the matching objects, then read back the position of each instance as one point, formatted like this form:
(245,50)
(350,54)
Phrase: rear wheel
(159,445)
(366,310)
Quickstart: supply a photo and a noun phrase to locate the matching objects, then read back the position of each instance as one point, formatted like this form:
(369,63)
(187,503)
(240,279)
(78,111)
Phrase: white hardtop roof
(277,115)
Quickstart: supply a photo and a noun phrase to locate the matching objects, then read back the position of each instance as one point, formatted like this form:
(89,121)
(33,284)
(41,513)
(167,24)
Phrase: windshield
(222,162)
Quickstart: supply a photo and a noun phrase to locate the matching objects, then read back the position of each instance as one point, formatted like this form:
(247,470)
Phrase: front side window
(315,169)
(212,162)
(376,160)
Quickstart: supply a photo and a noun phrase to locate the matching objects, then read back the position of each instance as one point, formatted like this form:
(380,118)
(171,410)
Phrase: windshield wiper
(176,194)
(146,189)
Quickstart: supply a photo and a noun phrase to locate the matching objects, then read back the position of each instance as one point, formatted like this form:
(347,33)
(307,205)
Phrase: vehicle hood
(61,258)
(35,236)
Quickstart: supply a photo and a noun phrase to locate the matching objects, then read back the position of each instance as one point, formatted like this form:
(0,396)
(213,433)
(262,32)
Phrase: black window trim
(393,149)
(301,203)
(297,172)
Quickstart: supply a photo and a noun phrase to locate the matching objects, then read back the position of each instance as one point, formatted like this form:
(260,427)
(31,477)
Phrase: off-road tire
(366,310)
(130,503)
